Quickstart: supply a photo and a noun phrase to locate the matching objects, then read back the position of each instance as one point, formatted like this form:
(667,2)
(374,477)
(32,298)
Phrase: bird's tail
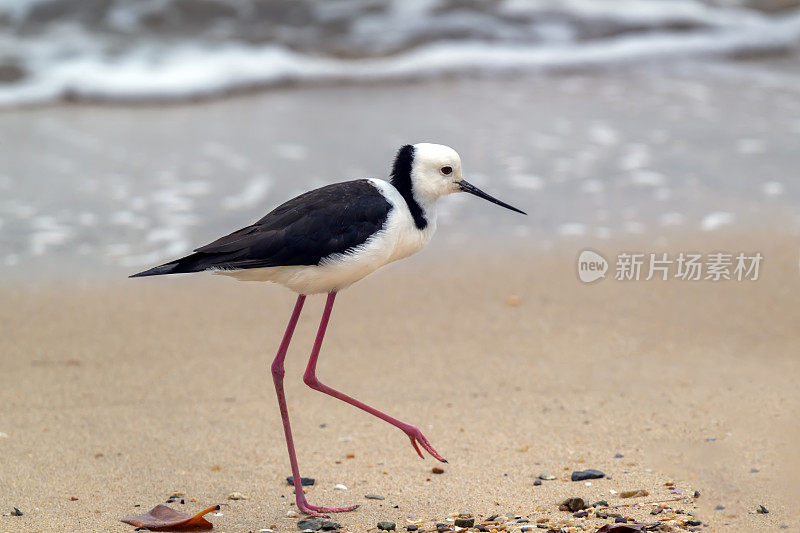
(195,262)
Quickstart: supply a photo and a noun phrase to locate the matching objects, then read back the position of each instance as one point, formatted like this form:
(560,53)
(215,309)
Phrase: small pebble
(580,514)
(464,522)
(657,510)
(340,487)
(600,503)
(719,508)
(754,470)
(513,300)
(329,525)
(291,513)
(16,512)
(537,482)
(546,476)
(574,504)
(387,526)
(761,509)
(618,456)
(236,496)
(411,528)
(696,494)
(313,524)
(481,527)
(304,481)
(693,523)
(582,475)
(374,497)
(620,520)
(633,493)
(437,470)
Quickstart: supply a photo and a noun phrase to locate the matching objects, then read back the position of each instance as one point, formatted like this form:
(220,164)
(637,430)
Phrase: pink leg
(277,376)
(310,379)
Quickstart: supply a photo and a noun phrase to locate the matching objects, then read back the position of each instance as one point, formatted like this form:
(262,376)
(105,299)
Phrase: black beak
(470,188)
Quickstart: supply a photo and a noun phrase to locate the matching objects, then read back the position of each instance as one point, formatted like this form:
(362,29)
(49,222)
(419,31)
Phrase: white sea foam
(671,219)
(716,220)
(252,195)
(155,70)
(529,182)
(772,188)
(647,178)
(48,232)
(572,229)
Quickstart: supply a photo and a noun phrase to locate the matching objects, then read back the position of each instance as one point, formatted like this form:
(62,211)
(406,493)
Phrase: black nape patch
(401,179)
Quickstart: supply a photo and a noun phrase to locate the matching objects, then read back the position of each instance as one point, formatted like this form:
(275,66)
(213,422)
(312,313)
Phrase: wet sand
(118,394)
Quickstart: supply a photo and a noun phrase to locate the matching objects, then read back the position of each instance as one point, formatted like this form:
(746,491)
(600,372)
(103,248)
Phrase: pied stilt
(327,239)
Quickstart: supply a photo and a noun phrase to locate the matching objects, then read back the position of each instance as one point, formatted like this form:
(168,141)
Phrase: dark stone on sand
(411,528)
(481,527)
(581,475)
(618,456)
(696,494)
(314,524)
(754,470)
(657,510)
(580,514)
(442,527)
(719,508)
(387,526)
(464,522)
(600,503)
(16,512)
(574,504)
(537,482)
(607,514)
(329,525)
(761,509)
(304,481)
(693,523)
(620,520)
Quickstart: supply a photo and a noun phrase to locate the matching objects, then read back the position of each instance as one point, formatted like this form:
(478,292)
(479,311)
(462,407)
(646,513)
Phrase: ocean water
(176,49)
(602,119)
(591,157)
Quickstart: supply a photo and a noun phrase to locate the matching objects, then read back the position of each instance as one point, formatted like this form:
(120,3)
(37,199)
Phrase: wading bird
(327,239)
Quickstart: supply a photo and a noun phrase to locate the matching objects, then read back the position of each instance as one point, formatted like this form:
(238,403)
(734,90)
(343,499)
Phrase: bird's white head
(435,170)
(425,172)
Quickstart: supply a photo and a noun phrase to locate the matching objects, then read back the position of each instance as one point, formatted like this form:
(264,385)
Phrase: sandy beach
(133,132)
(116,395)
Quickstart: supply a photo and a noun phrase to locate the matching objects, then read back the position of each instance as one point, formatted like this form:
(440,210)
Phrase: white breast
(398,239)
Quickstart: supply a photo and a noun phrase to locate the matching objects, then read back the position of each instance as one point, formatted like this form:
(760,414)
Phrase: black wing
(303,231)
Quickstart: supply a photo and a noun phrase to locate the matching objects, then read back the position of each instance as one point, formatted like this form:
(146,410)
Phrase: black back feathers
(401,179)
(303,231)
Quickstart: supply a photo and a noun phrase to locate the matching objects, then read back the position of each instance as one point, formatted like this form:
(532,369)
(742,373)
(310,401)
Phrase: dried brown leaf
(163,518)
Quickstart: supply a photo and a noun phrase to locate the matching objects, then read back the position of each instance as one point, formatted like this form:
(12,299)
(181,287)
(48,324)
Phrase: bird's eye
(447,170)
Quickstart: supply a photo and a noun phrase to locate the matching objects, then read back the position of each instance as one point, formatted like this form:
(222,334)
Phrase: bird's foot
(416,436)
(316,510)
